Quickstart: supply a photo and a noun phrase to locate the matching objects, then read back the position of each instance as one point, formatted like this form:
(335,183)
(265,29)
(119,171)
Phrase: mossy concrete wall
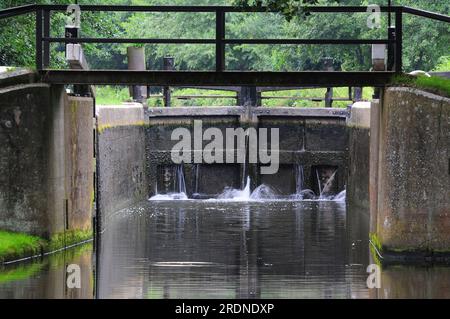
(358,166)
(121,158)
(410,180)
(46,140)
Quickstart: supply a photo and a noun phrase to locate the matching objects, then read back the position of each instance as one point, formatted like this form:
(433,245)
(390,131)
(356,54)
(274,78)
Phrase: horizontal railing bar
(427,14)
(127,40)
(184,97)
(124,8)
(226,41)
(339,99)
(308,41)
(16,11)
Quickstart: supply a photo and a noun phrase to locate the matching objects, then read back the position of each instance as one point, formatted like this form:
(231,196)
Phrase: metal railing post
(399,40)
(328,66)
(168,65)
(357,94)
(39,64)
(391,49)
(220,36)
(46,58)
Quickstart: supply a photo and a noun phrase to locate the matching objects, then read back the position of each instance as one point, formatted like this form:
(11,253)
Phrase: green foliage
(17,244)
(443,64)
(111,95)
(288,8)
(434,84)
(227,100)
(67,238)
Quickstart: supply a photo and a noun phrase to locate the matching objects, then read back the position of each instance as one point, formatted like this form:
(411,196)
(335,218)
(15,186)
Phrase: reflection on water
(46,277)
(203,249)
(217,249)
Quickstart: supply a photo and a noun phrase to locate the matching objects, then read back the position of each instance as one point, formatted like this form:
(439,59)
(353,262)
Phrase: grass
(111,95)
(434,84)
(68,238)
(16,245)
(443,64)
(115,95)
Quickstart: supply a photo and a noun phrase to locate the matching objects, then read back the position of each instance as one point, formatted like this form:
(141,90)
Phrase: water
(299,178)
(179,192)
(227,249)
(46,277)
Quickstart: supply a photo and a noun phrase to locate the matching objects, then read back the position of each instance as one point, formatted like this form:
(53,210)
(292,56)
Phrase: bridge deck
(212,78)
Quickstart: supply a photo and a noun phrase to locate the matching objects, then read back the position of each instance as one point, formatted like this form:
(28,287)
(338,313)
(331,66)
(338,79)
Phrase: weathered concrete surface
(121,158)
(17,76)
(413,187)
(127,114)
(374,154)
(80,162)
(40,169)
(358,166)
(25,115)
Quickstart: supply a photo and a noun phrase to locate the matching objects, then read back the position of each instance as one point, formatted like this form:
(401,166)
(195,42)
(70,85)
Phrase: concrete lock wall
(314,138)
(121,158)
(359,141)
(46,160)
(410,178)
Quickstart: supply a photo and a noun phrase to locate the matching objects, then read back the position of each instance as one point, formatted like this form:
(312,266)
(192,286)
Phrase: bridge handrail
(43,38)
(16,11)
(427,14)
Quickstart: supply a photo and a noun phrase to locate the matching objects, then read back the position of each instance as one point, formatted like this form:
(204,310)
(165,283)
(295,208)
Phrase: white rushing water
(180,188)
(261,193)
(170,196)
(236,194)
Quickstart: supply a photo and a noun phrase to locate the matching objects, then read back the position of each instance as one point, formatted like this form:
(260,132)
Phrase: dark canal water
(213,249)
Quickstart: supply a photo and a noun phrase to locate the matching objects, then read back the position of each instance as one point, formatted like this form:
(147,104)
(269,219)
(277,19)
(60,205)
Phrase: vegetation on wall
(434,84)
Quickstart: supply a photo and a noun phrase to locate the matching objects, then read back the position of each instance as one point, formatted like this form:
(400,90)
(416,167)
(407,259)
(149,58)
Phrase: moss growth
(434,84)
(377,250)
(68,238)
(102,128)
(16,245)
(376,241)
